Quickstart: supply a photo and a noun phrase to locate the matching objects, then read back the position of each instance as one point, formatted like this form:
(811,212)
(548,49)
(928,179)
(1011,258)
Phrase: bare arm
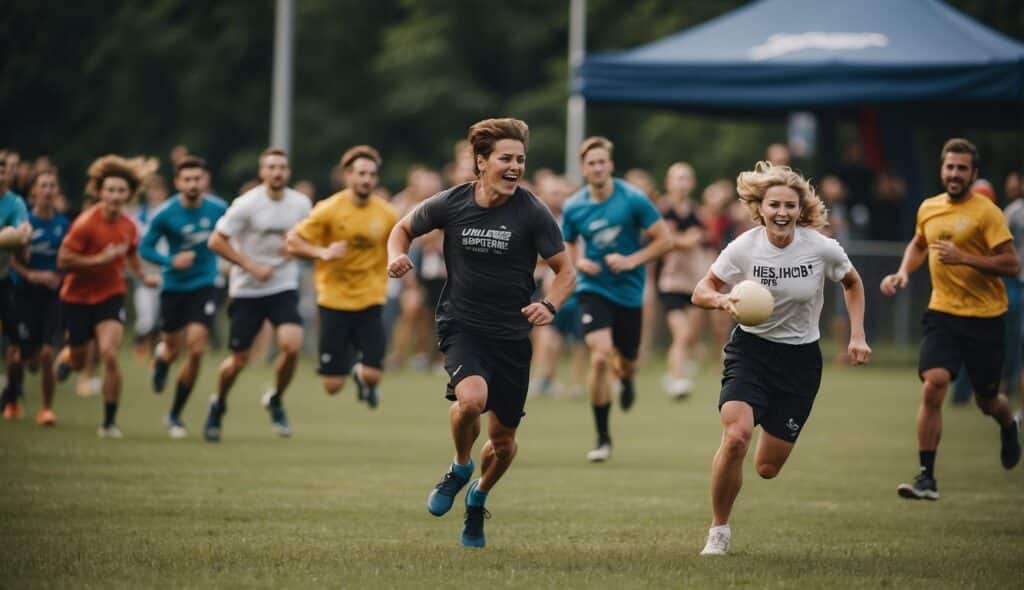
(298,246)
(914,255)
(398,246)
(135,264)
(68,259)
(709,293)
(220,244)
(853,293)
(538,313)
(689,238)
(659,242)
(12,237)
(1002,262)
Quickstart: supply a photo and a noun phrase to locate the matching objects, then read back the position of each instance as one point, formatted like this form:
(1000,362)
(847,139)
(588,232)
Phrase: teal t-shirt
(13,213)
(184,228)
(615,225)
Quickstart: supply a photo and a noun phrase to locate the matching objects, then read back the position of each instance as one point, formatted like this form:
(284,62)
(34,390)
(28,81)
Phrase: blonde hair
(753,184)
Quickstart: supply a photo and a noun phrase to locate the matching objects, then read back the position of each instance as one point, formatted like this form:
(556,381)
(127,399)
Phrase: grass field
(342,504)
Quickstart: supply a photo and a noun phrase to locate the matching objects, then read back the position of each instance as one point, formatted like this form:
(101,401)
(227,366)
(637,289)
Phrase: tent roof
(786,54)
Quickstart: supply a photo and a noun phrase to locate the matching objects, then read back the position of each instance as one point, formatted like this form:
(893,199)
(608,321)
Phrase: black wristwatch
(550,306)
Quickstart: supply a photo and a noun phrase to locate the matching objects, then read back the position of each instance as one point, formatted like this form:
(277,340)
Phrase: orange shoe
(12,411)
(46,417)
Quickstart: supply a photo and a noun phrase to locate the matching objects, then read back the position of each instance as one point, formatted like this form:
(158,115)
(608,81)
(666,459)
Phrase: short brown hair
(959,145)
(112,166)
(594,142)
(360,151)
(273,151)
(484,134)
(189,162)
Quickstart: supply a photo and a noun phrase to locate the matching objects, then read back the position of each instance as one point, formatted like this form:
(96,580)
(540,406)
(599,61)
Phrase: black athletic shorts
(39,313)
(344,335)
(950,342)
(80,320)
(247,315)
(181,308)
(674,301)
(8,315)
(503,364)
(779,381)
(598,313)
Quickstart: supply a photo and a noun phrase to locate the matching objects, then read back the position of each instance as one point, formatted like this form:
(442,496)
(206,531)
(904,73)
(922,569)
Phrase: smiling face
(780,210)
(501,170)
(958,174)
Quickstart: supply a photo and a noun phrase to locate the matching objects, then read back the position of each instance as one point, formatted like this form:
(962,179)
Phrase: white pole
(281,94)
(576,114)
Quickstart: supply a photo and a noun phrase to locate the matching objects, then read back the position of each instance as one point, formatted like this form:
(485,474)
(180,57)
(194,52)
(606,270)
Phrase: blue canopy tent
(777,55)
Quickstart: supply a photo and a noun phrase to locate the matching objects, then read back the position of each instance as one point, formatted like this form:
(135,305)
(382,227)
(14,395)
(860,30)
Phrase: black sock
(601,422)
(181,396)
(109,413)
(927,463)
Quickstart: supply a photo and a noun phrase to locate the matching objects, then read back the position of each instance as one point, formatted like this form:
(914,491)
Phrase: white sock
(722,528)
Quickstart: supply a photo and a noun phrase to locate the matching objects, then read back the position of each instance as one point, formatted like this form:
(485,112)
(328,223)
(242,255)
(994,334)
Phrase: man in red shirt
(99,244)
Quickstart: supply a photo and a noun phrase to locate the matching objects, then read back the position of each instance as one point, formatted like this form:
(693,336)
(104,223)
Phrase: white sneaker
(175,429)
(679,388)
(602,453)
(111,431)
(719,538)
(1019,419)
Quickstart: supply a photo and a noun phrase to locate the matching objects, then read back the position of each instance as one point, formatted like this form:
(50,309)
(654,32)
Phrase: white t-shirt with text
(795,275)
(257,227)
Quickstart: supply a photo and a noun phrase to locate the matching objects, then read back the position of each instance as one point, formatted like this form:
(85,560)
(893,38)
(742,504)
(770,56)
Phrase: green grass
(342,504)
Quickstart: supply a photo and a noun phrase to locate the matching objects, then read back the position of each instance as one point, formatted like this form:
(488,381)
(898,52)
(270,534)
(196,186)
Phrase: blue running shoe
(473,531)
(278,419)
(211,431)
(159,375)
(442,497)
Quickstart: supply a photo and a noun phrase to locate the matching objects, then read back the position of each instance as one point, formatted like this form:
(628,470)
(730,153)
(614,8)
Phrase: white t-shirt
(795,275)
(257,227)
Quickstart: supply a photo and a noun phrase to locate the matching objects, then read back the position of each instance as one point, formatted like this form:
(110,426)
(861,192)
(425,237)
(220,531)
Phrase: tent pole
(576,110)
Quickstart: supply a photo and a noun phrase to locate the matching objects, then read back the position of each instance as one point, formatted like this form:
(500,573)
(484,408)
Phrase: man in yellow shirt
(969,247)
(346,234)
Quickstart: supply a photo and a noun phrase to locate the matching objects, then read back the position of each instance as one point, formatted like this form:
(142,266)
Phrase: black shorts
(39,313)
(344,335)
(8,315)
(503,364)
(598,313)
(80,320)
(181,308)
(779,381)
(674,301)
(248,313)
(950,342)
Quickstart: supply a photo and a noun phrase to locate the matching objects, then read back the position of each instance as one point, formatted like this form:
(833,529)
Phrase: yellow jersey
(975,226)
(358,279)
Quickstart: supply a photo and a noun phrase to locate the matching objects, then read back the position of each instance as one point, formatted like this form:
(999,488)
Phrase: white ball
(754,303)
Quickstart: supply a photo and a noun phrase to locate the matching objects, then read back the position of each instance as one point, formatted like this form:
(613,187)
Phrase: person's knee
(768,470)
(371,375)
(600,359)
(332,385)
(935,385)
(108,355)
(237,361)
(987,405)
(736,441)
(471,394)
(504,447)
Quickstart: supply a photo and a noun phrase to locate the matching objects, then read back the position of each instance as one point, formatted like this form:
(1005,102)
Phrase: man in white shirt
(263,285)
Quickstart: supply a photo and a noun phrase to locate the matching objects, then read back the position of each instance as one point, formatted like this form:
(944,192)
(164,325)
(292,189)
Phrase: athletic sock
(181,396)
(476,497)
(601,422)
(463,471)
(927,463)
(109,413)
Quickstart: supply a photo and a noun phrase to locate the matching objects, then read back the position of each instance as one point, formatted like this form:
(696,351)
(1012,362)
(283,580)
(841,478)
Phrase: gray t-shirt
(795,275)
(257,227)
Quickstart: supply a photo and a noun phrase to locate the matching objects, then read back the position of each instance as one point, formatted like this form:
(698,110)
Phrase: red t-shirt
(90,233)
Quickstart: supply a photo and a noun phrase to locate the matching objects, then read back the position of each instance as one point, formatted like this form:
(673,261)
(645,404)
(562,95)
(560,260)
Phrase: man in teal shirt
(188,301)
(15,233)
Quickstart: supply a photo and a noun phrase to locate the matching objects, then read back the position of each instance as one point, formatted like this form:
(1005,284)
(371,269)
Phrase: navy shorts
(81,320)
(779,381)
(247,315)
(598,313)
(950,342)
(181,308)
(503,364)
(344,335)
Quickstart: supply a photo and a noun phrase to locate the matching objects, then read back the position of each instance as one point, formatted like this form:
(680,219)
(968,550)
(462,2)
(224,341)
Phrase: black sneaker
(360,386)
(1009,454)
(211,431)
(923,488)
(159,376)
(278,418)
(473,531)
(628,395)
